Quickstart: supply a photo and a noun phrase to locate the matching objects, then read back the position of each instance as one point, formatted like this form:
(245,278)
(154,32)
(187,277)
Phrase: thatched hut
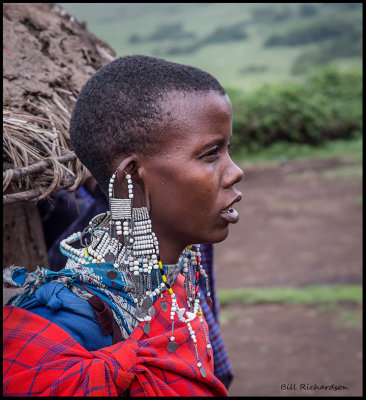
(47,57)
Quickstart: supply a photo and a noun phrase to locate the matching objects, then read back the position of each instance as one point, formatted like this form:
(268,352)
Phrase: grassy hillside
(243,44)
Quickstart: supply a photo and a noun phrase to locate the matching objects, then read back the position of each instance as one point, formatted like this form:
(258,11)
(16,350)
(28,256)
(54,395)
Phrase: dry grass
(37,155)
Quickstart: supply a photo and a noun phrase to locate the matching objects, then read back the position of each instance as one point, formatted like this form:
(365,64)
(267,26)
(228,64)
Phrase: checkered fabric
(41,359)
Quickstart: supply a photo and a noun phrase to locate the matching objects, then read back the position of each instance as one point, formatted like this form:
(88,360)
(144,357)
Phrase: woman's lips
(230,215)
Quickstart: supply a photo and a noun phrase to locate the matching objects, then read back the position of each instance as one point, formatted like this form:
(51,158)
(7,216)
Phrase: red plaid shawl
(41,359)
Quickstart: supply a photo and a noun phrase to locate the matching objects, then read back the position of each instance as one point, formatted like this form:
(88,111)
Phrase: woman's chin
(217,237)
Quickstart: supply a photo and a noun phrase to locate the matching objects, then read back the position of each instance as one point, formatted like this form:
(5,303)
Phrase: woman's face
(190,181)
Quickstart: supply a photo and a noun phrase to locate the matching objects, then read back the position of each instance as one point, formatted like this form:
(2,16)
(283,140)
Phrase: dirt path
(300,224)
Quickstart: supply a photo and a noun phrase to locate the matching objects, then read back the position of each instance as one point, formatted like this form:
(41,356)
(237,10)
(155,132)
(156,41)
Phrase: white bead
(172,339)
(208,346)
(135,272)
(199,364)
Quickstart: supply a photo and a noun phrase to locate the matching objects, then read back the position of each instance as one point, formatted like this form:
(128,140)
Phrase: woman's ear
(144,178)
(130,166)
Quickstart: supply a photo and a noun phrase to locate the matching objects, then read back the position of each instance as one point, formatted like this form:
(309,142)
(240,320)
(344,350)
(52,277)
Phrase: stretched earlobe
(129,165)
(143,178)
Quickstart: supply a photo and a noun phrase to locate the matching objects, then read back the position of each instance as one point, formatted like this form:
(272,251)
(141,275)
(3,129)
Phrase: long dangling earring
(141,248)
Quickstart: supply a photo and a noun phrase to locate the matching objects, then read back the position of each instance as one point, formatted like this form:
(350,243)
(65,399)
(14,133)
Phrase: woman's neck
(170,251)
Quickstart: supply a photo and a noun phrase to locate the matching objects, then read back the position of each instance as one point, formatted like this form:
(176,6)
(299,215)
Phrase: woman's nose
(232,175)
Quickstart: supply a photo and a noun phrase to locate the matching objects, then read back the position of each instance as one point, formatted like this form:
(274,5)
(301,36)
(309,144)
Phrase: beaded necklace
(188,262)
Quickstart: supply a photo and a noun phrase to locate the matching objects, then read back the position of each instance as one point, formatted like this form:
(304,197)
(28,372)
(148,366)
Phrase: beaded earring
(120,209)
(140,256)
(140,250)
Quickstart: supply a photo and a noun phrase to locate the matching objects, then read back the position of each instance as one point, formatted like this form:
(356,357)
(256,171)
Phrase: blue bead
(139,260)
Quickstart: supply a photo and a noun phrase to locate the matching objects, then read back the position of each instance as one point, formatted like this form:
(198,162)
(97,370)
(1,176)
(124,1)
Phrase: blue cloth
(54,302)
(84,282)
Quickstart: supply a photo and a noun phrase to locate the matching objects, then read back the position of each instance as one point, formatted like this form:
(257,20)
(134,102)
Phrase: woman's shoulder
(58,304)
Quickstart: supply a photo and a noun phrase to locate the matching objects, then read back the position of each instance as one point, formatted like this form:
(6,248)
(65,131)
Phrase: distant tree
(269,14)
(343,6)
(134,38)
(226,34)
(307,10)
(315,32)
(170,31)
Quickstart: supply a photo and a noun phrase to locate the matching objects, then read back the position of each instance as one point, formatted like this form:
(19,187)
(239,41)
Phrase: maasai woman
(155,135)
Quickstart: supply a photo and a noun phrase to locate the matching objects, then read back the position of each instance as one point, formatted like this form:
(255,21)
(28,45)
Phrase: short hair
(118,111)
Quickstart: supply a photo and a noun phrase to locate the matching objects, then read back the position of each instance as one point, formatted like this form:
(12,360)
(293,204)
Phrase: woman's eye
(212,153)
(229,148)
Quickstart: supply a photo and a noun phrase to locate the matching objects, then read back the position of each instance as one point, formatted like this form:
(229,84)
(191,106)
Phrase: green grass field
(317,294)
(240,65)
(243,64)
(347,150)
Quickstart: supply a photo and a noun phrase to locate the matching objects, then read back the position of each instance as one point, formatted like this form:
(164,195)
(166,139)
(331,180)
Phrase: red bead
(196,289)
(209,301)
(197,274)
(198,259)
